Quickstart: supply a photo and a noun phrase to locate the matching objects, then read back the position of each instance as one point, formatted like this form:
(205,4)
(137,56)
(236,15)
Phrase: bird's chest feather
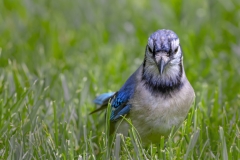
(156,115)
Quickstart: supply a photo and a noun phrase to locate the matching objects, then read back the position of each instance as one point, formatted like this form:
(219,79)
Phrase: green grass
(56,56)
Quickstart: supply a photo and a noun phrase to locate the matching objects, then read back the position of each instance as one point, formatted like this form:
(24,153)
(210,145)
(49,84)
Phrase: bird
(157,96)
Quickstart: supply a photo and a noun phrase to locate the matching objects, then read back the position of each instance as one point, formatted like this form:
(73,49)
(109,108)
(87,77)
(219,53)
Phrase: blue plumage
(120,112)
(119,102)
(101,99)
(158,94)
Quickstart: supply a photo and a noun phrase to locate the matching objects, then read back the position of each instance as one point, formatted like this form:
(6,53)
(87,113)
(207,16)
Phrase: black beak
(161,66)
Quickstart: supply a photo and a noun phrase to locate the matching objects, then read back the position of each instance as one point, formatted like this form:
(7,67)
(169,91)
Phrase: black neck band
(162,86)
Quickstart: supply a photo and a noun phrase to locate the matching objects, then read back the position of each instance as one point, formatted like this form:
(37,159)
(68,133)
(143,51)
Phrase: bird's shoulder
(127,90)
(119,103)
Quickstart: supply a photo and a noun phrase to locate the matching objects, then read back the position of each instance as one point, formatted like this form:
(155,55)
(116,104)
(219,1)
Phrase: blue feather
(101,99)
(120,99)
(119,103)
(122,112)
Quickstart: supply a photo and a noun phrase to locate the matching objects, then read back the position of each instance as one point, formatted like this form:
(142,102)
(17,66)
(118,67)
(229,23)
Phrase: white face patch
(175,44)
(178,54)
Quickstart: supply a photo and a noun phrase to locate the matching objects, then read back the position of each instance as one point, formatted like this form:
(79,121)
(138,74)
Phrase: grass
(56,56)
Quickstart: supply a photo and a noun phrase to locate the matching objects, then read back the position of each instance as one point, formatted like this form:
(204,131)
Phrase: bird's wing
(119,100)
(119,103)
(120,106)
(102,101)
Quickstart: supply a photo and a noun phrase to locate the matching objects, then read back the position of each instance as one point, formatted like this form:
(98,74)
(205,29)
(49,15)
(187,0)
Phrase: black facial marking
(144,62)
(176,50)
(149,48)
(162,86)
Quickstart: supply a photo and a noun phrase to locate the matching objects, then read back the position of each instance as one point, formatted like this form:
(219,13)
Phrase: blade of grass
(223,144)
(107,131)
(192,143)
(117,147)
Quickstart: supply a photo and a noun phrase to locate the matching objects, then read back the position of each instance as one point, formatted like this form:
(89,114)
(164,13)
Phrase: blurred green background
(56,56)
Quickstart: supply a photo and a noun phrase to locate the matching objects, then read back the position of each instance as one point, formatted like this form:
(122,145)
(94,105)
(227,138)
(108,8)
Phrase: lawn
(56,56)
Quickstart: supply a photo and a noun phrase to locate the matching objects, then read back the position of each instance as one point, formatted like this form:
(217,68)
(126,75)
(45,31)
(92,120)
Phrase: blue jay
(158,95)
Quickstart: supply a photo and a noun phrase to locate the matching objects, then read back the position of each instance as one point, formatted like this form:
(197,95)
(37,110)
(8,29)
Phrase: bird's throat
(162,84)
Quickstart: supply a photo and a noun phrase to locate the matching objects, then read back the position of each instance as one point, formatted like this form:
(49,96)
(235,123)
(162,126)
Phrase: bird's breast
(154,116)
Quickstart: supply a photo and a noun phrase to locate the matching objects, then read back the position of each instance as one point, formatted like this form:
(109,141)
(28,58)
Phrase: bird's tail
(102,100)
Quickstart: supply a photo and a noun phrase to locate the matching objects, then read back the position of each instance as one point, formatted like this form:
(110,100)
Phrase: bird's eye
(150,50)
(176,50)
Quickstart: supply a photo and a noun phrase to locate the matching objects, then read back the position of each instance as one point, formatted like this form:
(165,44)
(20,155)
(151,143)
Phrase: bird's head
(163,51)
(163,59)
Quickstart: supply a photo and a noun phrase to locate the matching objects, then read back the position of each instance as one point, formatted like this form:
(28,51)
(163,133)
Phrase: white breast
(154,116)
